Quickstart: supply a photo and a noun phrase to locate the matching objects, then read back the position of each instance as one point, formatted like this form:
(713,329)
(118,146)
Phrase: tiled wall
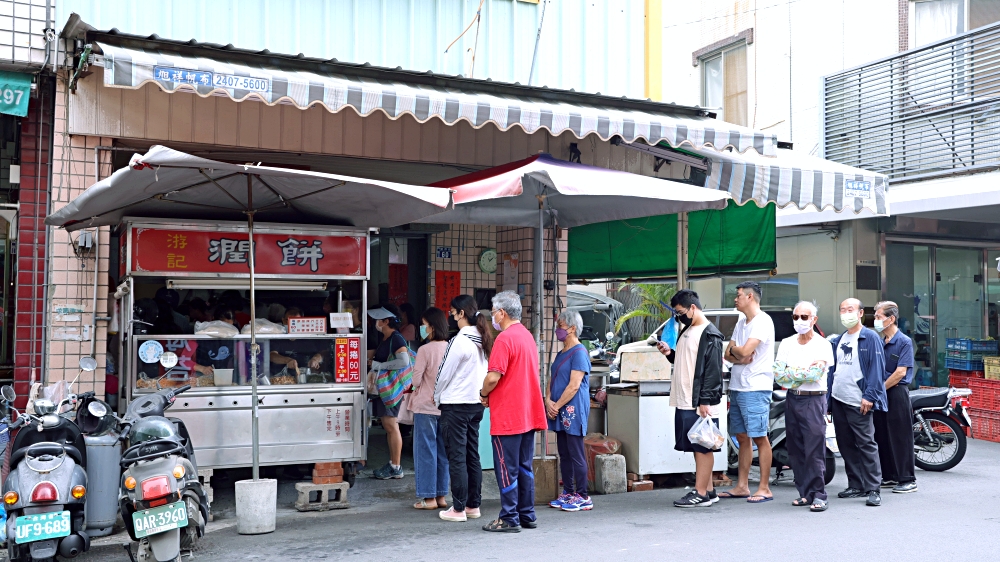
(71,294)
(22,32)
(466,242)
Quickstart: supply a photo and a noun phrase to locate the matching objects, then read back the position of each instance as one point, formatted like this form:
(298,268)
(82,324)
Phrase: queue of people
(861,381)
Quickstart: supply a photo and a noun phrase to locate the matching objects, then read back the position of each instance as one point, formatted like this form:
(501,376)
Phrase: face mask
(496,325)
(683,319)
(561,334)
(423,332)
(849,319)
(880,325)
(802,326)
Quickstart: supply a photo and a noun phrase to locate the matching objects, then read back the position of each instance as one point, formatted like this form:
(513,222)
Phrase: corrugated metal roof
(587,45)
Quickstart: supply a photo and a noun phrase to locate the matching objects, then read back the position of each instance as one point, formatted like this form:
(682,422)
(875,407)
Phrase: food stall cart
(316,416)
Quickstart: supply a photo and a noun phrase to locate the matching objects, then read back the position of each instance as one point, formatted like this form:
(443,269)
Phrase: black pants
(460,427)
(572,463)
(856,438)
(805,429)
(894,435)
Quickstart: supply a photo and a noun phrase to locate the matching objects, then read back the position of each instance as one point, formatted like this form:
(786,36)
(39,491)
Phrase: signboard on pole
(15,91)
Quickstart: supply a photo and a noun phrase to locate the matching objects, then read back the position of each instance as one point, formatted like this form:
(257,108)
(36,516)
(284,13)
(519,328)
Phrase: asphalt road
(955,513)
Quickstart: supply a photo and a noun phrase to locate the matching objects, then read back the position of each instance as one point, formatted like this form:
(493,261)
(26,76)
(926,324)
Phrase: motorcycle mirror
(97,409)
(168,359)
(609,336)
(7,391)
(88,363)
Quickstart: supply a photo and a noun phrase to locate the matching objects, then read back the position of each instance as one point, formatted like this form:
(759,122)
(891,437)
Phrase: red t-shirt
(516,403)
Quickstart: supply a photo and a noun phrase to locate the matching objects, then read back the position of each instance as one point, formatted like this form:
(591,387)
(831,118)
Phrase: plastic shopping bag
(704,432)
(669,333)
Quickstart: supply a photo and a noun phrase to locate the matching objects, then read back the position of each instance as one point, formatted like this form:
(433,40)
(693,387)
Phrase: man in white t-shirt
(751,351)
(805,408)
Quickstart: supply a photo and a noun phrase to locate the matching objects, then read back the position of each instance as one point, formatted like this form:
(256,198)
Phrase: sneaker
(472,513)
(713,495)
(889,484)
(874,499)
(451,515)
(387,472)
(852,493)
(562,499)
(578,503)
(905,488)
(693,499)
(529,524)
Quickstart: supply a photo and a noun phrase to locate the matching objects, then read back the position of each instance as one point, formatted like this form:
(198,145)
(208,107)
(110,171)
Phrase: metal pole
(682,250)
(539,275)
(254,352)
(538,39)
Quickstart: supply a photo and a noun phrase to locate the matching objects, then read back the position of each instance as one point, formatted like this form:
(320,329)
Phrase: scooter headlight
(130,482)
(179,472)
(10,498)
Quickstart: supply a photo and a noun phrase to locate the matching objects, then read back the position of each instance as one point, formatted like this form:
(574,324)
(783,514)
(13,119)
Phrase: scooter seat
(778,395)
(929,398)
(49,448)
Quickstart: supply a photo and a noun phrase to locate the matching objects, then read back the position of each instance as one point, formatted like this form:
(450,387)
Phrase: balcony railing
(924,113)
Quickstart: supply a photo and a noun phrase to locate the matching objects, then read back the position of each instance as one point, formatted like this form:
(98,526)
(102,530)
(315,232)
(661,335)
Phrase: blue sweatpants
(512,462)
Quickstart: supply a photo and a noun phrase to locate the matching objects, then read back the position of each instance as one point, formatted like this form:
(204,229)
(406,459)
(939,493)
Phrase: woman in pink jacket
(430,461)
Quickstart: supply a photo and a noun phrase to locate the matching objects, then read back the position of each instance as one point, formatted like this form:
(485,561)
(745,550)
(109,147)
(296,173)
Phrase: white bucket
(223,377)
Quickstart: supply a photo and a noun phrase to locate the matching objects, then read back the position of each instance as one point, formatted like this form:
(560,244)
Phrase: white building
(901,88)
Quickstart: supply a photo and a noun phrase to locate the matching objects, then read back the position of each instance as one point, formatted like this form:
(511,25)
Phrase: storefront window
(776,291)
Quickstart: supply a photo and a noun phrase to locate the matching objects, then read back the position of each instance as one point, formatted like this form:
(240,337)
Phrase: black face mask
(452,324)
(683,319)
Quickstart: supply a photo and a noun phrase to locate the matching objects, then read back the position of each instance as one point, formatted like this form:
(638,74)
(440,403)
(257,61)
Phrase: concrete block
(610,475)
(321,497)
(205,477)
(256,506)
(546,480)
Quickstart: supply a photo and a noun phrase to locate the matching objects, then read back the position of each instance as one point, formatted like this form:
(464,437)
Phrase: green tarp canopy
(735,239)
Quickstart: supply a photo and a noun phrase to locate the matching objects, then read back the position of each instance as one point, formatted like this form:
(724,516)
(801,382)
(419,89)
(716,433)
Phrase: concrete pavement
(955,514)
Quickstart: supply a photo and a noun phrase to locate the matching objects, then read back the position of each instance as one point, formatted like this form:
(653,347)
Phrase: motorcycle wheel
(831,469)
(946,447)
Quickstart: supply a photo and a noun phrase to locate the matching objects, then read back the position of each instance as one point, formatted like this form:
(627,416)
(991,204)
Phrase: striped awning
(791,178)
(132,68)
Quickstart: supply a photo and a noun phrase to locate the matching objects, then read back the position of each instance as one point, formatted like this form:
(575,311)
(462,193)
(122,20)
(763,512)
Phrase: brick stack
(328,473)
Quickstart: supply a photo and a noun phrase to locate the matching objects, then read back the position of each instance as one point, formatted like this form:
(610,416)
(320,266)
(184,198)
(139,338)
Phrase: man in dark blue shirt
(894,428)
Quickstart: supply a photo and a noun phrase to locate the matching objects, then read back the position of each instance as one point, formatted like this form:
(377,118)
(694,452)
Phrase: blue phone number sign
(212,79)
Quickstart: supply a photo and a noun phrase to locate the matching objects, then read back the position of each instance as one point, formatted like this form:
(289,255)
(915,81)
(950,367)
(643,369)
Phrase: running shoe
(578,503)
(562,499)
(693,499)
(387,472)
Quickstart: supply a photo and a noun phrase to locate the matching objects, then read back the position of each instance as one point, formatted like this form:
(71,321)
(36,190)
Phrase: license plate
(41,526)
(160,519)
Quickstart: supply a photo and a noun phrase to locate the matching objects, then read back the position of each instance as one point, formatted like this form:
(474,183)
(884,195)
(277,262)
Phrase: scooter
(161,500)
(45,493)
(939,421)
(779,446)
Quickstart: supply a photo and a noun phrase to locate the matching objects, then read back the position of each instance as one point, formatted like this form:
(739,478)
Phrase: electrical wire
(475,45)
(474,20)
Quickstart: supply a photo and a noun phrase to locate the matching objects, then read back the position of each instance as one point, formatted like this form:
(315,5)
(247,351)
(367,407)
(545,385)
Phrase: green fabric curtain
(734,239)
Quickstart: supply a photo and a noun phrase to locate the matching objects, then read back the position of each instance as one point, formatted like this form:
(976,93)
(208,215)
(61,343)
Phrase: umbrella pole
(254,352)
(539,275)
(682,250)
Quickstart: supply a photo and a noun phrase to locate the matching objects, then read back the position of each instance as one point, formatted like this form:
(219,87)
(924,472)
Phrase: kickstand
(128,550)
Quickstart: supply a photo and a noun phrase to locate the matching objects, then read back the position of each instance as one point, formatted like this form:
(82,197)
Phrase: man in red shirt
(514,396)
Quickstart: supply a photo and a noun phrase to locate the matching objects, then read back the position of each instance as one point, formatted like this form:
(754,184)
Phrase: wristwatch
(481,395)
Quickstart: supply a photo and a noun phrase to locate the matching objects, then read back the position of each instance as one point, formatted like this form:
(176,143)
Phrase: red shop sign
(347,360)
(194,251)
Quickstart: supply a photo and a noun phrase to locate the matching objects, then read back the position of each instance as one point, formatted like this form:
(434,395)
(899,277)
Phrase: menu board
(447,285)
(347,360)
(307,325)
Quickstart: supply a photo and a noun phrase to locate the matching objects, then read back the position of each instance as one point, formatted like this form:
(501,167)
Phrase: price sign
(347,360)
(310,325)
(15,90)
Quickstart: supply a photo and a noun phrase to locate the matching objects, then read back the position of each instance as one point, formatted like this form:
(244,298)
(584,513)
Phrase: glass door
(959,299)
(909,285)
(992,271)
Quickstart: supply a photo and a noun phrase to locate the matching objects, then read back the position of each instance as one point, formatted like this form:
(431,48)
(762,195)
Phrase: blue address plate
(41,526)
(160,519)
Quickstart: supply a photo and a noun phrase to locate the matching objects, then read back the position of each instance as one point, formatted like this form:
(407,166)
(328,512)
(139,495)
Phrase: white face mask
(879,326)
(803,326)
(849,319)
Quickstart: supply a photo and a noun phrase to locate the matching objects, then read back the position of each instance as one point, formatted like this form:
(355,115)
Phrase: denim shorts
(748,412)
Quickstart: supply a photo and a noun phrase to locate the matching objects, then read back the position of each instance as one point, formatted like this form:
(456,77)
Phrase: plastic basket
(985,394)
(991,366)
(967,344)
(962,365)
(965,355)
(985,424)
(960,379)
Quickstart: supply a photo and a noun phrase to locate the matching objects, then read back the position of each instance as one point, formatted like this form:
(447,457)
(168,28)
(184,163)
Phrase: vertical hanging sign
(447,285)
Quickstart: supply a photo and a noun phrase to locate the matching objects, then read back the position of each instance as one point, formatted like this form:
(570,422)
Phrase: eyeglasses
(801,317)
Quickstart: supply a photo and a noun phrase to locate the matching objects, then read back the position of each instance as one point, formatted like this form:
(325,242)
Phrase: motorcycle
(779,446)
(45,492)
(604,351)
(940,417)
(162,502)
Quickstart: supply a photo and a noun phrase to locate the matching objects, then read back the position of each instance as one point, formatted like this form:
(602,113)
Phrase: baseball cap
(380,313)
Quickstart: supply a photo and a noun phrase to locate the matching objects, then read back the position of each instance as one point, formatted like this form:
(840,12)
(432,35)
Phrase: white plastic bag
(704,432)
(265,326)
(216,328)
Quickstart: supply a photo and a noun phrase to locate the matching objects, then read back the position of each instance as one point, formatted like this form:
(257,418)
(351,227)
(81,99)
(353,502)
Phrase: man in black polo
(894,428)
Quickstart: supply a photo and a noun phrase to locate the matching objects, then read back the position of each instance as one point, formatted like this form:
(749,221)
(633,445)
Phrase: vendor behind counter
(293,354)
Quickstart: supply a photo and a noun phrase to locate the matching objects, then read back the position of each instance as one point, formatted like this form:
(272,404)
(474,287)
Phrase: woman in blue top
(570,386)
